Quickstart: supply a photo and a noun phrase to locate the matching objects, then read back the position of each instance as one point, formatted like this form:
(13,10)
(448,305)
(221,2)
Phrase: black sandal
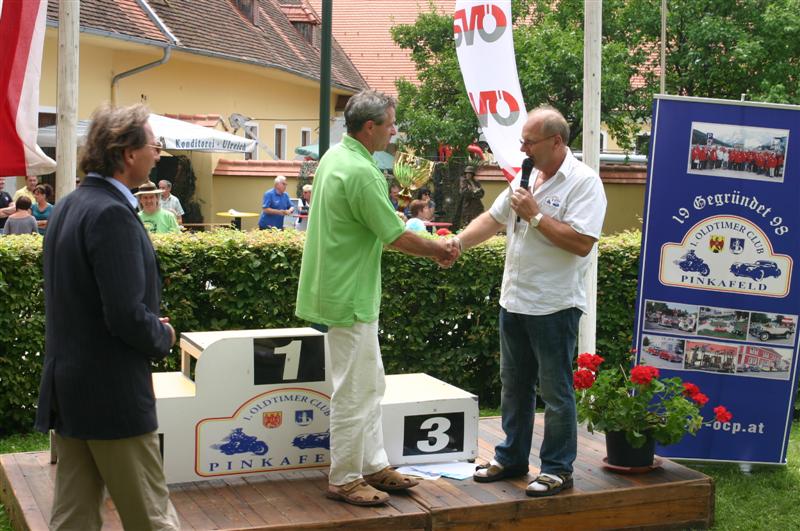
(552,486)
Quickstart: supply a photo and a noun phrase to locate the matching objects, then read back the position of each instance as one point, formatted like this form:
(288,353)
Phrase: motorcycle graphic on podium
(241,443)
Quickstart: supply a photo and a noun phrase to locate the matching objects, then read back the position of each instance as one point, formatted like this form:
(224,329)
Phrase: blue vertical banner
(718,298)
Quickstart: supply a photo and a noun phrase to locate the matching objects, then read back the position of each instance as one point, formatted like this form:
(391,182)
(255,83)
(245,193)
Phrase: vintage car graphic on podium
(259,402)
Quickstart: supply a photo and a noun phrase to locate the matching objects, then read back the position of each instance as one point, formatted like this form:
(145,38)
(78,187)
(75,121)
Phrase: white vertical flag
(485,48)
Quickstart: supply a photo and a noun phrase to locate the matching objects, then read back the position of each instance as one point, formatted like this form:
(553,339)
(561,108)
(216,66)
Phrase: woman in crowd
(41,209)
(21,221)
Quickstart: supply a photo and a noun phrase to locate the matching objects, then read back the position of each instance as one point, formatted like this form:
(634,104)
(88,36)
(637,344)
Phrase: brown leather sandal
(390,480)
(357,492)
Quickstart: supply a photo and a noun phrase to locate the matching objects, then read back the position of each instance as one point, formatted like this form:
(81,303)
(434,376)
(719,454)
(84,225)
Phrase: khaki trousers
(132,471)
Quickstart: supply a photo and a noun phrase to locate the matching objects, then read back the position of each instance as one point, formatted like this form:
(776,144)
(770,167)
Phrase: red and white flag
(22,27)
(485,49)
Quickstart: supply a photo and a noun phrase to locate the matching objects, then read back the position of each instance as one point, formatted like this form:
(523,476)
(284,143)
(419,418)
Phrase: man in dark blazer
(102,297)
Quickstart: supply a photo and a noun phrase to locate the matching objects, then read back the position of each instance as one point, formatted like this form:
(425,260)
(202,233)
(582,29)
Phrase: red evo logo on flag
(464,24)
(487,104)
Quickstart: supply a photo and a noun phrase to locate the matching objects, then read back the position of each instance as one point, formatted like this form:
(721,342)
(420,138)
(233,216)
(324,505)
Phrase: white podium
(260,402)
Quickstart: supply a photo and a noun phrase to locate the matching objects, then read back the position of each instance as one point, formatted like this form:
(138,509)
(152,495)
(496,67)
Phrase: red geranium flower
(722,414)
(700,398)
(690,389)
(583,379)
(643,375)
(443,232)
(590,361)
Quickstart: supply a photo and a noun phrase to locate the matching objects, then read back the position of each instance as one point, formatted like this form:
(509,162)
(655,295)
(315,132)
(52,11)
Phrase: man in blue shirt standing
(275,206)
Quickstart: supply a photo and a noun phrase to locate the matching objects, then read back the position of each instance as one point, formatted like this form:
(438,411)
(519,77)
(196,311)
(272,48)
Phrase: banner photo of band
(717,303)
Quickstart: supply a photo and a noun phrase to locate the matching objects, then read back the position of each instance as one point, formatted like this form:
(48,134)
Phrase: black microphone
(527,168)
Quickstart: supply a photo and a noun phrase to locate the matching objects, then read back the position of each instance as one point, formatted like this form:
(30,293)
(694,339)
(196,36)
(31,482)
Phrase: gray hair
(280,179)
(166,183)
(553,122)
(365,106)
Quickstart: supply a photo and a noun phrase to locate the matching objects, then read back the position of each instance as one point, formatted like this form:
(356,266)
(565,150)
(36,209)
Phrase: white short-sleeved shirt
(173,204)
(540,278)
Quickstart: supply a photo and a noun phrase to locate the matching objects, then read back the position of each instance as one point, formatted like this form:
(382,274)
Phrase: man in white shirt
(169,201)
(551,230)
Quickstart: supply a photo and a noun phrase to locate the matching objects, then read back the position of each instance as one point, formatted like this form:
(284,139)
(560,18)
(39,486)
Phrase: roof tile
(216,27)
(363,31)
(258,168)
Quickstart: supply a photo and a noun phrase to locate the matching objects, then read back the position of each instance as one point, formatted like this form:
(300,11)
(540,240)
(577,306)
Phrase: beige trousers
(358,386)
(132,471)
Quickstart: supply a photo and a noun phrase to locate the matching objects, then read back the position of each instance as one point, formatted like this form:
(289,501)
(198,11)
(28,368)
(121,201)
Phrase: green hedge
(442,322)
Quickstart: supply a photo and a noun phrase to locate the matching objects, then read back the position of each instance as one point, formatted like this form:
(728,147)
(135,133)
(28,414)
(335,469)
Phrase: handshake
(448,252)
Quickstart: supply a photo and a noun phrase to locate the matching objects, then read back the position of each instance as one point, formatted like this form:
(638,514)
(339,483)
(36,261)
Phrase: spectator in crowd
(30,183)
(305,207)
(420,212)
(7,206)
(21,221)
(102,300)
(41,209)
(169,202)
(425,195)
(551,227)
(155,218)
(275,205)
(394,192)
(340,291)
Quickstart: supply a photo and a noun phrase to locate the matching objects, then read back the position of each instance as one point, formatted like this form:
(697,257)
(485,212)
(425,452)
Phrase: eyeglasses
(532,143)
(158,146)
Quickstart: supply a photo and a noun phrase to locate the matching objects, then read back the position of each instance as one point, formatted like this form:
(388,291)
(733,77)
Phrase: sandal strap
(549,480)
(353,485)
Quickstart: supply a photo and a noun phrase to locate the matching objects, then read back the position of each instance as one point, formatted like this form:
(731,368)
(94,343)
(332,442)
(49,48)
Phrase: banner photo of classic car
(718,300)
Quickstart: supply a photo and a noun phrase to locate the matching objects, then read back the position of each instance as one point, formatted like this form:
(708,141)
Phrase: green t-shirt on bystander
(161,221)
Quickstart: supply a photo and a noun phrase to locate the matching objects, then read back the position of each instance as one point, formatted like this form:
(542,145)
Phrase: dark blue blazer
(102,295)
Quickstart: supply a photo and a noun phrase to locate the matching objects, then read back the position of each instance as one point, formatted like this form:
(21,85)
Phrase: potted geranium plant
(637,407)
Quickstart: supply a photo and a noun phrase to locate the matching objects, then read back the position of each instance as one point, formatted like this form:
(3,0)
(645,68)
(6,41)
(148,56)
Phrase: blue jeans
(538,347)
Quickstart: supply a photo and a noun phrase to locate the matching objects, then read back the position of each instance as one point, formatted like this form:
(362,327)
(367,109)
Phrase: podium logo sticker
(726,253)
(255,437)
(272,419)
(304,417)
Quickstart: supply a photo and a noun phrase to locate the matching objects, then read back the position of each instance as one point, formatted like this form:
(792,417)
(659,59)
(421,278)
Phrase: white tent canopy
(173,134)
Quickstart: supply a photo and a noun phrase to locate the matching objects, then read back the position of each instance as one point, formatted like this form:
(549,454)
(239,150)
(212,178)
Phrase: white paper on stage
(453,470)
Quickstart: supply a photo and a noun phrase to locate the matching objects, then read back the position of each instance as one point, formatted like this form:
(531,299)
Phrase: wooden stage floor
(670,497)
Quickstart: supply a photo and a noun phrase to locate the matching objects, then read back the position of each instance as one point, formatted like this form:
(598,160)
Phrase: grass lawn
(768,498)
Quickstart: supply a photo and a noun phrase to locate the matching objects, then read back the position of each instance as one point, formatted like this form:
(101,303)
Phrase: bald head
(552,122)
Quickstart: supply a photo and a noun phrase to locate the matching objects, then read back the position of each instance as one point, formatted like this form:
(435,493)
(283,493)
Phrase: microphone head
(527,165)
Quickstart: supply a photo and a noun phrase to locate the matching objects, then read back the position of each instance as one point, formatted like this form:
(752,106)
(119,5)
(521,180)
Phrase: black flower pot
(621,453)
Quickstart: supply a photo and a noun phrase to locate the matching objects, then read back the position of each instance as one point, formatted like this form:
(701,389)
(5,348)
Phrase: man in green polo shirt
(340,288)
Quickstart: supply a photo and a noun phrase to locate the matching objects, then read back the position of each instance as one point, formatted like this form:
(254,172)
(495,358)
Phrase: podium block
(259,402)
(426,420)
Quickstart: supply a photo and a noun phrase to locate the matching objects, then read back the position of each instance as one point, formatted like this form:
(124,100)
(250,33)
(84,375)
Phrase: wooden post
(66,126)
(592,59)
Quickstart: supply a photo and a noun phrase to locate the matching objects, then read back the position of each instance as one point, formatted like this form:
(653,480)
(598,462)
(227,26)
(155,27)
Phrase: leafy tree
(438,110)
(715,48)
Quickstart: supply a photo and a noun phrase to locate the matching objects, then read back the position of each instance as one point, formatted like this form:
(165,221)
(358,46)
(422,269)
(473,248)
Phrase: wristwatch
(536,219)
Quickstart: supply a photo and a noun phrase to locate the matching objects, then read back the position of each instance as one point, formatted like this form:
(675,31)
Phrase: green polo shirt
(352,219)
